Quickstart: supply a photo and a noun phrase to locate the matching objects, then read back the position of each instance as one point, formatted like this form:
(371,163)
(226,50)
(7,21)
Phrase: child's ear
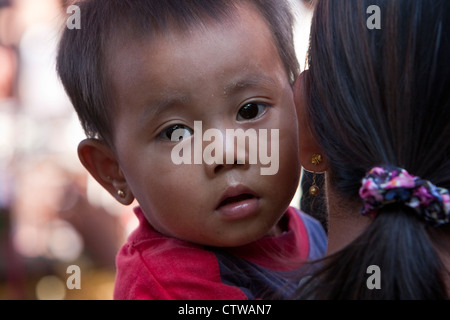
(102,164)
(311,155)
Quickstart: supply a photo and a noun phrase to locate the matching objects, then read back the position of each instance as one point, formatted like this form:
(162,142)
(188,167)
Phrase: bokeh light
(50,288)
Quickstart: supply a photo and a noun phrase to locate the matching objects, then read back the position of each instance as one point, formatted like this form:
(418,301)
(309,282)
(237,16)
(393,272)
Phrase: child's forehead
(127,35)
(195,43)
(187,72)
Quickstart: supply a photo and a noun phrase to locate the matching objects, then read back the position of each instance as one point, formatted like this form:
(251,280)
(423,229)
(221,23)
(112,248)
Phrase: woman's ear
(311,155)
(102,164)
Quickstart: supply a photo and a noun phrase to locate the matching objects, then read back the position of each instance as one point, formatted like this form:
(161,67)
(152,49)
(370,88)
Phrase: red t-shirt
(152,266)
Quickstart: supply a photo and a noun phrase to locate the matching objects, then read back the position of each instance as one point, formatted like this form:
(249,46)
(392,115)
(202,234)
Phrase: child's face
(228,76)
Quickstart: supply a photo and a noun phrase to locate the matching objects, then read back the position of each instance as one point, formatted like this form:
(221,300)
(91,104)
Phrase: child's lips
(238,202)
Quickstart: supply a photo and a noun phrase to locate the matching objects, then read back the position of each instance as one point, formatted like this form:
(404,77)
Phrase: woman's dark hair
(382,97)
(82,61)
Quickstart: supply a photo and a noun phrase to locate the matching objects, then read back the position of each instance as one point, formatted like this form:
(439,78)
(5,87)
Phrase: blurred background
(52,214)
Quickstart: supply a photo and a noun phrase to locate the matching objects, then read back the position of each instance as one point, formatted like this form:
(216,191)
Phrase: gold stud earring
(121,194)
(316,159)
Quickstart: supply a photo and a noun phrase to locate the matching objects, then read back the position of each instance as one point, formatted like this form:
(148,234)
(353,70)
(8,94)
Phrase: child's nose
(234,155)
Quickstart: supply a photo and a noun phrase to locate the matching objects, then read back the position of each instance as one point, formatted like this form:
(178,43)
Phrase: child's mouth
(236,199)
(238,202)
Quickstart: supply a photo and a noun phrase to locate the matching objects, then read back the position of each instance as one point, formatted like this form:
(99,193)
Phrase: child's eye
(251,111)
(176,133)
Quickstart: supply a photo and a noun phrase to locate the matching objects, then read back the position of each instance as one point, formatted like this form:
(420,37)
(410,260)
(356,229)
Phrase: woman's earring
(314,189)
(316,159)
(121,194)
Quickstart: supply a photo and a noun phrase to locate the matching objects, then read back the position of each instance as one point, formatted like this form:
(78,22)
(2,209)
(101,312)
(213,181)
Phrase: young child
(378,103)
(143,77)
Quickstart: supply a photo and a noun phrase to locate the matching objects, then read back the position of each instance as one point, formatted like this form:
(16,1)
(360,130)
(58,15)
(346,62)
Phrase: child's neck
(281,227)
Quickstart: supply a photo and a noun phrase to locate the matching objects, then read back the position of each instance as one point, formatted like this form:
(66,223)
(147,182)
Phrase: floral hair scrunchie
(387,185)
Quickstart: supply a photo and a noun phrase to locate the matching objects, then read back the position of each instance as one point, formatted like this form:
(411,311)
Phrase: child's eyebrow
(163,104)
(249,81)
(171,100)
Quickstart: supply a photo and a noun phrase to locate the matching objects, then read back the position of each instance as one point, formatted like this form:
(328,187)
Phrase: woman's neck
(344,221)
(345,224)
(444,253)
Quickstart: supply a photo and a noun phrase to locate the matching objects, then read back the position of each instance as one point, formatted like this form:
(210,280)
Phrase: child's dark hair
(82,61)
(382,97)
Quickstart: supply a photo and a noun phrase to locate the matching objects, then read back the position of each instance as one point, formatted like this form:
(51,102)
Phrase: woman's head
(381,96)
(377,97)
